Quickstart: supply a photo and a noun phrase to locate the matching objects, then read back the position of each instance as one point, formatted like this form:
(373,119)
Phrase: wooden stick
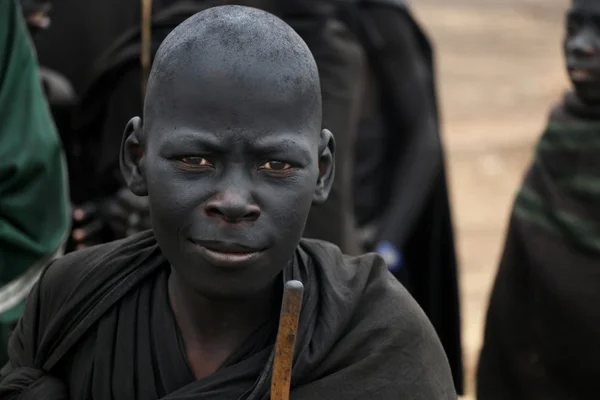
(286,340)
(146,43)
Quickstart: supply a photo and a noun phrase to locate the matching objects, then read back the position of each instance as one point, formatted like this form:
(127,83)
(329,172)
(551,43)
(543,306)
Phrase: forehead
(585,8)
(243,97)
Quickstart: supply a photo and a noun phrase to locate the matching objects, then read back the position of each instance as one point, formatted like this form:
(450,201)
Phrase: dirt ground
(500,69)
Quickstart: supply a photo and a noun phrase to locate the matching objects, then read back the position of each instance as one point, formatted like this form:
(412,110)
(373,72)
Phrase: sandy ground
(500,69)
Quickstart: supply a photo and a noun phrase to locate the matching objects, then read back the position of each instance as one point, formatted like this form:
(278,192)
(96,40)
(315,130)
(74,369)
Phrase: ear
(132,158)
(326,167)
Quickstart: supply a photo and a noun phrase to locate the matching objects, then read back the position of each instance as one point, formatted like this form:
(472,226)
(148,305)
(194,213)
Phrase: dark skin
(582,49)
(231,155)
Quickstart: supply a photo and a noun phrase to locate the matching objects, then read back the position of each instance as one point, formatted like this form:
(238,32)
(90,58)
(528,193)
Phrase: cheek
(287,205)
(171,196)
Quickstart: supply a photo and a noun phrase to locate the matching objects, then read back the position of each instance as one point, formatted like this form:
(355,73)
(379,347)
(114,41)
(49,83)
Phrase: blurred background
(499,70)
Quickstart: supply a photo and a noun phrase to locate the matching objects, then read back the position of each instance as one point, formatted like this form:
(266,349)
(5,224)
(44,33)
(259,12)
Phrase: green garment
(34,208)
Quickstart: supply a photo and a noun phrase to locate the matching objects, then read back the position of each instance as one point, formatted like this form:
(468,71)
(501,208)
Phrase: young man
(543,323)
(231,155)
(34,210)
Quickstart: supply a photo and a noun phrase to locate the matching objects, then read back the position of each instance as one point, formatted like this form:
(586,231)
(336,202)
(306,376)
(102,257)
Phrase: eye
(196,161)
(276,166)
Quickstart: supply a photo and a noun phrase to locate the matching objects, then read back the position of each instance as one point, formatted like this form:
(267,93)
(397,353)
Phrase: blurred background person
(400,189)
(543,324)
(34,212)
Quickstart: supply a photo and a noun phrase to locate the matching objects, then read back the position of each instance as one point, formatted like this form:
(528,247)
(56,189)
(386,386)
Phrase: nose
(232,207)
(582,45)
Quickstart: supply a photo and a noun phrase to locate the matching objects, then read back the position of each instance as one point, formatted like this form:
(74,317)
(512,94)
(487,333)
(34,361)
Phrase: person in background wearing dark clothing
(90,40)
(342,64)
(543,323)
(400,189)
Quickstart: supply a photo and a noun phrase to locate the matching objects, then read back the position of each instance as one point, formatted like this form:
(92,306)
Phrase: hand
(59,91)
(88,226)
(127,213)
(391,255)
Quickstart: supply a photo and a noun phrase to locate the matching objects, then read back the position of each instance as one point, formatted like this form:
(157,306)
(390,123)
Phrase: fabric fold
(31,384)
(100,321)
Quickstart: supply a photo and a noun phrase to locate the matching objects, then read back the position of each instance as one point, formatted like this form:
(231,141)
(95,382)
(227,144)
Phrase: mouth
(229,255)
(581,74)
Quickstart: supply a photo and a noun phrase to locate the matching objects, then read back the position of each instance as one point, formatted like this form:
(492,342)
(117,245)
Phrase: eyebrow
(196,140)
(265,146)
(282,144)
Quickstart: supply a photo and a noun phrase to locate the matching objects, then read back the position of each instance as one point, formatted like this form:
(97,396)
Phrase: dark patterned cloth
(543,323)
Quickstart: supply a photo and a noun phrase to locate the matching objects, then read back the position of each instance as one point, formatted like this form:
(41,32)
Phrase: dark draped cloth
(400,185)
(96,45)
(543,322)
(99,325)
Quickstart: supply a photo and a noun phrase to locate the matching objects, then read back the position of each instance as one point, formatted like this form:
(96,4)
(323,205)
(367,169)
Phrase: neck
(219,320)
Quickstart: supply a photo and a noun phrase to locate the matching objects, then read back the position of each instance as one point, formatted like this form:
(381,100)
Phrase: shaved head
(241,47)
(230,152)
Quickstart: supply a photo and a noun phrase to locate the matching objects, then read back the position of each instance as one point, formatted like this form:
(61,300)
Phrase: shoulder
(386,321)
(381,295)
(67,275)
(73,286)
(81,273)
(397,326)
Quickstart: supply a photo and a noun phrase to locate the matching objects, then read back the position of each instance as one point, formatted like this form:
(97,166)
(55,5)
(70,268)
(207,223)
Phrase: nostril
(252,214)
(213,211)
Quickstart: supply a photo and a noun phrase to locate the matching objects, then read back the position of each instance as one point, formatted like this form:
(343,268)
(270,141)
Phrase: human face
(582,49)
(231,162)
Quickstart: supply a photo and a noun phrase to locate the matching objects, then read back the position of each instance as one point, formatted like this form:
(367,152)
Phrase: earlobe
(132,158)
(326,167)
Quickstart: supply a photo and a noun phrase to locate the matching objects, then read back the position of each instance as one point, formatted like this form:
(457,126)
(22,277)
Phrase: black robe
(99,325)
(400,184)
(543,324)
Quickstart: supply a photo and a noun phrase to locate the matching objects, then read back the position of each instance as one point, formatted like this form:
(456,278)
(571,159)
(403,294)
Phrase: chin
(230,287)
(227,281)
(588,92)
